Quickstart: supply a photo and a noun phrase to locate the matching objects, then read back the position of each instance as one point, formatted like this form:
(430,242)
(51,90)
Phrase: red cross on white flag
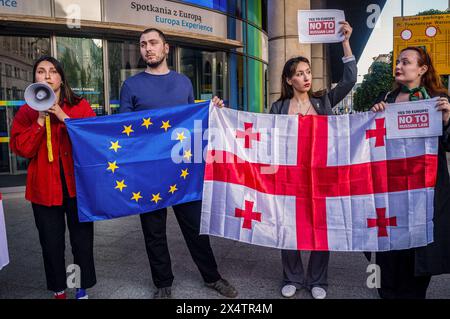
(381,222)
(334,183)
(248,215)
(248,135)
(379,133)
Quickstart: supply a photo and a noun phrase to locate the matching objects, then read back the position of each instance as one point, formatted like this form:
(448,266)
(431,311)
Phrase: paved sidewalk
(123,270)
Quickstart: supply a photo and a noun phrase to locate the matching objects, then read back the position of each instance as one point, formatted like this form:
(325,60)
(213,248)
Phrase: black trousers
(398,280)
(51,224)
(154,228)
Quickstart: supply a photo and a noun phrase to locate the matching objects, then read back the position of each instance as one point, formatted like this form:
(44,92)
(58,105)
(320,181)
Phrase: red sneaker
(60,295)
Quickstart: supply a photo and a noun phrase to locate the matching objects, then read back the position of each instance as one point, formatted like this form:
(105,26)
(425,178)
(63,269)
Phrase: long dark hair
(430,80)
(289,69)
(66,91)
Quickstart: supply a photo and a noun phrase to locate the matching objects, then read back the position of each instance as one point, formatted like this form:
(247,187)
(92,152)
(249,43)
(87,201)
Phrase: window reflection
(201,67)
(232,7)
(238,92)
(124,61)
(17,56)
(82,60)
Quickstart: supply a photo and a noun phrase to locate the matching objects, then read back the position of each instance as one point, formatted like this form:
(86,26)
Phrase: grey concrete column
(319,63)
(319,67)
(284,44)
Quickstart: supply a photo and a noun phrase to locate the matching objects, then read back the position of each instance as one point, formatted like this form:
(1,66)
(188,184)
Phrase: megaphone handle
(49,138)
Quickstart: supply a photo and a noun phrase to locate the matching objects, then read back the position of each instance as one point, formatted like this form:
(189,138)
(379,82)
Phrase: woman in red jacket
(51,184)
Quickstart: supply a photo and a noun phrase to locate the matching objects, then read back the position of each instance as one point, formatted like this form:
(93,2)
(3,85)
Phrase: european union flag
(134,163)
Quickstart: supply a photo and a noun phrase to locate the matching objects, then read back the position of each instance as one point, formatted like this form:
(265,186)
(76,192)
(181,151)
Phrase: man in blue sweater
(158,87)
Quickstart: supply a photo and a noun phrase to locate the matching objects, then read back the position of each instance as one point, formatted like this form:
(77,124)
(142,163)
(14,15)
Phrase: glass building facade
(100,54)
(247,22)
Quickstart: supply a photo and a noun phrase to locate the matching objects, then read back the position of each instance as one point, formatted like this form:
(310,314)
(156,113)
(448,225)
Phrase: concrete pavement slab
(123,271)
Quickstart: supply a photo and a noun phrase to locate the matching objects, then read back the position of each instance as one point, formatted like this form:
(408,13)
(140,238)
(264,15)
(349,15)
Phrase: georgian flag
(4,257)
(317,182)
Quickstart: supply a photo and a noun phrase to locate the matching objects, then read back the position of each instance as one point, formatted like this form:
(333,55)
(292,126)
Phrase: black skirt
(398,278)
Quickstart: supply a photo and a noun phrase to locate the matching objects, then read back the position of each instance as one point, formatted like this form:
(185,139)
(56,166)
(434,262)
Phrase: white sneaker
(288,291)
(318,293)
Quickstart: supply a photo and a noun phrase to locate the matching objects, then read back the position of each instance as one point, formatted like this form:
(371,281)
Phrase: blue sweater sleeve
(126,99)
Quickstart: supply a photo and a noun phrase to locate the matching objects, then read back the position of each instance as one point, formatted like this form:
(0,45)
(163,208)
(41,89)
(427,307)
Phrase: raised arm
(349,76)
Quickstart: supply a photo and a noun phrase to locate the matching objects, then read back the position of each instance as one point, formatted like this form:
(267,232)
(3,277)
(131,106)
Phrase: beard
(156,63)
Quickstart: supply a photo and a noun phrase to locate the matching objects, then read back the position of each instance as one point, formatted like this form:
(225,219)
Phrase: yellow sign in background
(430,31)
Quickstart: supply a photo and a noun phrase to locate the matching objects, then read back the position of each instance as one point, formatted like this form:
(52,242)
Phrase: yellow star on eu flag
(115,146)
(136,197)
(184,173)
(156,198)
(173,189)
(128,130)
(166,125)
(187,155)
(181,137)
(120,185)
(147,123)
(112,166)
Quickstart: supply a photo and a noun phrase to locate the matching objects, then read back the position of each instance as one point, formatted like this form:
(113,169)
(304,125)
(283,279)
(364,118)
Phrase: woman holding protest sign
(298,99)
(42,137)
(407,273)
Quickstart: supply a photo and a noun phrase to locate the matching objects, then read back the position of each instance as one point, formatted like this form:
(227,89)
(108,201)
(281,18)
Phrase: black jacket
(323,104)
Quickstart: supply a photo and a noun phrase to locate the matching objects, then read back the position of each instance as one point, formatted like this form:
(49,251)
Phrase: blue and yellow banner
(138,162)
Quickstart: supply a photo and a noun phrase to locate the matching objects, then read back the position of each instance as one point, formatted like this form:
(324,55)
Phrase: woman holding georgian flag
(297,98)
(407,273)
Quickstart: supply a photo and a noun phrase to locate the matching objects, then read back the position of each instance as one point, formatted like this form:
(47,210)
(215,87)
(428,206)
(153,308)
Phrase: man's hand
(218,102)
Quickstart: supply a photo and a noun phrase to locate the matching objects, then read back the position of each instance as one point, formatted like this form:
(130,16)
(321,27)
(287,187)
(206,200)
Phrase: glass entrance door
(207,72)
(4,142)
(82,60)
(17,55)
